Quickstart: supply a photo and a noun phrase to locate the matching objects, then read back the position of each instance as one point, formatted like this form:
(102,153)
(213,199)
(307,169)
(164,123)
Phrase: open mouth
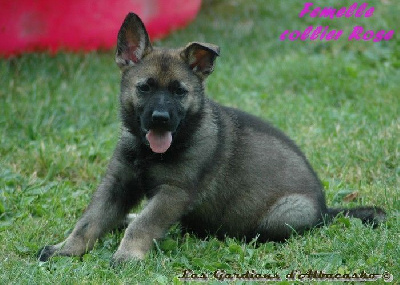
(159,140)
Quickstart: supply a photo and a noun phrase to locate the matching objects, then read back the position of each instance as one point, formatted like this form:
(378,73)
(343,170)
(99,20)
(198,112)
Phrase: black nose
(160,117)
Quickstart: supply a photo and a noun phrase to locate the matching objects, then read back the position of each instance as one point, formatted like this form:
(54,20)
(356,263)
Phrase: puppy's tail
(368,215)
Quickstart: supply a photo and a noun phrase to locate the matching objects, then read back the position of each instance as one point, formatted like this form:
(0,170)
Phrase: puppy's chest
(187,176)
(155,174)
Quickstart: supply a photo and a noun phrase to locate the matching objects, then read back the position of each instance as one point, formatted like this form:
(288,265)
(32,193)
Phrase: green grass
(339,100)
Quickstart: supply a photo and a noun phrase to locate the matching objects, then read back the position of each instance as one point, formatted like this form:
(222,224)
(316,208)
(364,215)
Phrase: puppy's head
(160,87)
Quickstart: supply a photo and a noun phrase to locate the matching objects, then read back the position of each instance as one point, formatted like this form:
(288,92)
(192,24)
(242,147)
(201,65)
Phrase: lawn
(339,100)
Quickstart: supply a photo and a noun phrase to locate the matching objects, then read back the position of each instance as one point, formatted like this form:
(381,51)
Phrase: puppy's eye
(176,88)
(180,91)
(143,87)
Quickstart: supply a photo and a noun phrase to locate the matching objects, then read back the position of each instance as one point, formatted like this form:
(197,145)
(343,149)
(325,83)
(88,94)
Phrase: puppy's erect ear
(200,57)
(133,42)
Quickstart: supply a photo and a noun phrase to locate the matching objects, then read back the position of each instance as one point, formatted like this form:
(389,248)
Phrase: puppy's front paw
(46,252)
(124,256)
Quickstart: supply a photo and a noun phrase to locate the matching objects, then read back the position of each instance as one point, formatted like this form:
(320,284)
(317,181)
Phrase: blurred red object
(37,25)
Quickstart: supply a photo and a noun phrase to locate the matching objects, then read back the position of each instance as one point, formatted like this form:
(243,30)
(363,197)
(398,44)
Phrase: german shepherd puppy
(213,169)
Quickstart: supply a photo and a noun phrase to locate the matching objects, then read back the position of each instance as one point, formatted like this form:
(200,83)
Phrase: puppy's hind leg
(292,213)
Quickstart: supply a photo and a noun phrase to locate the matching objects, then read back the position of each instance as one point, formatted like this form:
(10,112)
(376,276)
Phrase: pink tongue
(159,141)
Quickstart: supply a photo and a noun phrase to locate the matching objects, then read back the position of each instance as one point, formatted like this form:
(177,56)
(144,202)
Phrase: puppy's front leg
(117,193)
(164,209)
